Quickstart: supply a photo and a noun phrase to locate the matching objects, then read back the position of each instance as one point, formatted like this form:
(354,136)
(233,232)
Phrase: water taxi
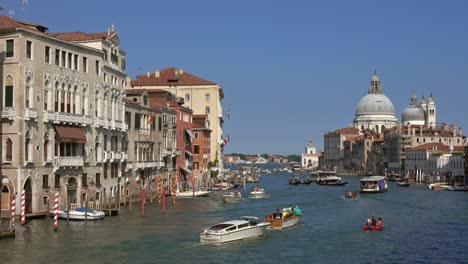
(283,219)
(231,197)
(331,181)
(190,194)
(258,192)
(373,184)
(246,227)
(80,213)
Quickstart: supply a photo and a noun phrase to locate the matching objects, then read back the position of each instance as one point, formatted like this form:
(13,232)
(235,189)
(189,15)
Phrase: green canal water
(421,226)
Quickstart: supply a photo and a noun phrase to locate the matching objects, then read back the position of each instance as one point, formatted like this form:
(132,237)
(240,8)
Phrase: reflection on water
(421,226)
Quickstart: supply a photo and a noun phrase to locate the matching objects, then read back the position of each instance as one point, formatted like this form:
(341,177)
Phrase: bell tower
(431,112)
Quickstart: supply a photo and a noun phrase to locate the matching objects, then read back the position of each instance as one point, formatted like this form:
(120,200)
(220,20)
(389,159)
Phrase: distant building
(310,159)
(201,148)
(434,159)
(334,151)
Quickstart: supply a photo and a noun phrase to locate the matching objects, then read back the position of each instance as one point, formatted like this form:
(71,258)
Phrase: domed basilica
(375,111)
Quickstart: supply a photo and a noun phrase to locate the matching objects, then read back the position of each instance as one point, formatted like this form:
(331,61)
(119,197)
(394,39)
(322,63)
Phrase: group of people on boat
(374,223)
(350,194)
(287,212)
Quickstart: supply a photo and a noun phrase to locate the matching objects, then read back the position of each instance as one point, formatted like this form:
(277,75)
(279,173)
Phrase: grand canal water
(422,226)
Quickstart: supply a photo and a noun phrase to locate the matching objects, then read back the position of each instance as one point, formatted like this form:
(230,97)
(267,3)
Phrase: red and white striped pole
(23,208)
(56,204)
(13,209)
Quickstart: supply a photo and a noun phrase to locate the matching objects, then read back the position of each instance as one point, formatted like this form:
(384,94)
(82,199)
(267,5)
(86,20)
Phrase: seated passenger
(297,211)
(374,222)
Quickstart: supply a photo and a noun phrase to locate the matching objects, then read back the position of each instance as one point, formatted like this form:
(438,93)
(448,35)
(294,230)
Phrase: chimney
(454,130)
(181,71)
(460,132)
(148,74)
(157,74)
(128,80)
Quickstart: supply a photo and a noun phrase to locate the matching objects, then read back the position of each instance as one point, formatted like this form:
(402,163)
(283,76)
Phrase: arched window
(46,147)
(376,128)
(76,101)
(69,98)
(56,101)
(382,129)
(8,101)
(62,98)
(28,93)
(46,95)
(8,150)
(84,103)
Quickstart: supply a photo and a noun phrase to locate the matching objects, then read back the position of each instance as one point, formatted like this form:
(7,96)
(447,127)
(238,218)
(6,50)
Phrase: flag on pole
(226,140)
(151,120)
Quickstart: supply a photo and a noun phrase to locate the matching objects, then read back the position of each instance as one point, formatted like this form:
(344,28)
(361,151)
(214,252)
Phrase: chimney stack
(157,74)
(460,132)
(181,71)
(148,74)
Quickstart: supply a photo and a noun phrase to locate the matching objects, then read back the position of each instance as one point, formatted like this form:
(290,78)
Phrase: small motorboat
(80,213)
(190,194)
(246,227)
(294,181)
(257,192)
(378,226)
(231,197)
(402,184)
(306,181)
(283,219)
(350,195)
(331,181)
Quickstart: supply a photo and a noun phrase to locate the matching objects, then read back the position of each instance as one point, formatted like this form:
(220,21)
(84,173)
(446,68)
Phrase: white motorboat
(258,192)
(80,213)
(373,184)
(231,197)
(190,194)
(246,227)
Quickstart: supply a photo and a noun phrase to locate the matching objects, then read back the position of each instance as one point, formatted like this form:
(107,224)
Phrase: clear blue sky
(290,69)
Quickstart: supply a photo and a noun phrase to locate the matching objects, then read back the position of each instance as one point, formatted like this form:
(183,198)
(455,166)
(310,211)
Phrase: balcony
(160,164)
(101,122)
(144,131)
(124,156)
(107,156)
(166,152)
(66,118)
(8,112)
(116,155)
(77,161)
(30,113)
(165,123)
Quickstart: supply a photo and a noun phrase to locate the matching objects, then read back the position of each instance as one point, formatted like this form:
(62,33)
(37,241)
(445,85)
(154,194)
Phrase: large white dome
(375,104)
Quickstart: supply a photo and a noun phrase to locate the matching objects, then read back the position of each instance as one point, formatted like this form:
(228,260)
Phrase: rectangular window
(45,181)
(187,97)
(207,97)
(195,135)
(84,180)
(69,62)
(85,64)
(137,120)
(57,57)
(105,170)
(123,65)
(98,69)
(196,149)
(207,110)
(196,165)
(98,179)
(28,49)
(57,181)
(9,96)
(47,55)
(75,62)
(64,58)
(10,48)
(128,119)
(104,54)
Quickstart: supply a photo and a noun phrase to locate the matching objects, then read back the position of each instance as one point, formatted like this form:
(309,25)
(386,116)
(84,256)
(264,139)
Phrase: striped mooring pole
(56,204)
(23,208)
(13,209)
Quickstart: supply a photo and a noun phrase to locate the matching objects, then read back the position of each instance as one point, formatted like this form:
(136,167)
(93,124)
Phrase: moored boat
(294,181)
(306,181)
(402,184)
(80,213)
(246,227)
(283,219)
(441,186)
(373,184)
(190,194)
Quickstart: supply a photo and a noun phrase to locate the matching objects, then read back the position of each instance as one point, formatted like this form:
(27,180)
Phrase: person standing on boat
(297,211)
(369,221)
(374,222)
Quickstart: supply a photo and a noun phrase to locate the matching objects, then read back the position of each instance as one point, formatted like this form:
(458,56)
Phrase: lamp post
(4,181)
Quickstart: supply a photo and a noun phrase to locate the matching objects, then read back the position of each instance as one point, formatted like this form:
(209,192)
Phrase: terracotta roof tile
(9,23)
(79,36)
(436,147)
(169,76)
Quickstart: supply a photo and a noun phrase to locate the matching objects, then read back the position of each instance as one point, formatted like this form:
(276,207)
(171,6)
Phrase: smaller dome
(413,113)
(375,78)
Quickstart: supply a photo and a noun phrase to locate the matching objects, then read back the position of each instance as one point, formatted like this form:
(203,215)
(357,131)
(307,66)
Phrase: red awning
(71,134)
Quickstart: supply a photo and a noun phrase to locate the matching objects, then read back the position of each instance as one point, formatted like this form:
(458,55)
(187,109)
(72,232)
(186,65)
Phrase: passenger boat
(80,213)
(350,195)
(441,186)
(331,181)
(294,181)
(246,227)
(306,181)
(233,196)
(286,218)
(190,194)
(373,184)
(317,175)
(257,192)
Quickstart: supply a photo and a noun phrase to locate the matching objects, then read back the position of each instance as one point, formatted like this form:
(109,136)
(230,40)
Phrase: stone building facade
(62,114)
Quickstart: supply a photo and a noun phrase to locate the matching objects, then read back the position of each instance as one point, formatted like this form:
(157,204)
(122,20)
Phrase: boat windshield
(220,226)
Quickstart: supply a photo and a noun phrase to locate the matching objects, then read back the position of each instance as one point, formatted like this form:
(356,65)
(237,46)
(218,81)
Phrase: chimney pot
(181,71)
(148,74)
(157,74)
